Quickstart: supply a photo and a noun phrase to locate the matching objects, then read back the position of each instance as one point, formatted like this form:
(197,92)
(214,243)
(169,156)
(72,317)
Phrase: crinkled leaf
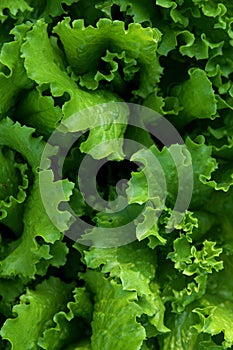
(36,308)
(197,97)
(14,7)
(203,165)
(10,291)
(134,265)
(183,335)
(111,36)
(70,326)
(26,252)
(21,139)
(191,261)
(140,11)
(13,77)
(59,82)
(38,111)
(115,315)
(14,183)
(38,224)
(216,317)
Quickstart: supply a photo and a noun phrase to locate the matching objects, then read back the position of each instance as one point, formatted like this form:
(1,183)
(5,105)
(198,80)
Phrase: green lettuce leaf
(138,276)
(15,7)
(57,79)
(38,235)
(183,335)
(140,11)
(71,325)
(14,183)
(119,43)
(13,77)
(49,9)
(40,112)
(10,292)
(109,330)
(216,317)
(36,307)
(192,262)
(197,97)
(172,287)
(26,252)
(203,165)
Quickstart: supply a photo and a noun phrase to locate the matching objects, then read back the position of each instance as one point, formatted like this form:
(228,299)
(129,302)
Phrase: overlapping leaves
(167,290)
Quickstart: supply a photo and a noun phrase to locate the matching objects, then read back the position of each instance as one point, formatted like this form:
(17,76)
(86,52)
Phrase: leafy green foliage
(171,286)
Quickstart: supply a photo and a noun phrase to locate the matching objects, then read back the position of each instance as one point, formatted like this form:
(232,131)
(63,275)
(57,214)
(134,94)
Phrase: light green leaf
(26,252)
(134,265)
(216,317)
(191,261)
(50,73)
(111,36)
(115,315)
(15,7)
(36,308)
(197,97)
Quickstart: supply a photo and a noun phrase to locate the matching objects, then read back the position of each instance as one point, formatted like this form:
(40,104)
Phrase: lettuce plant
(171,286)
